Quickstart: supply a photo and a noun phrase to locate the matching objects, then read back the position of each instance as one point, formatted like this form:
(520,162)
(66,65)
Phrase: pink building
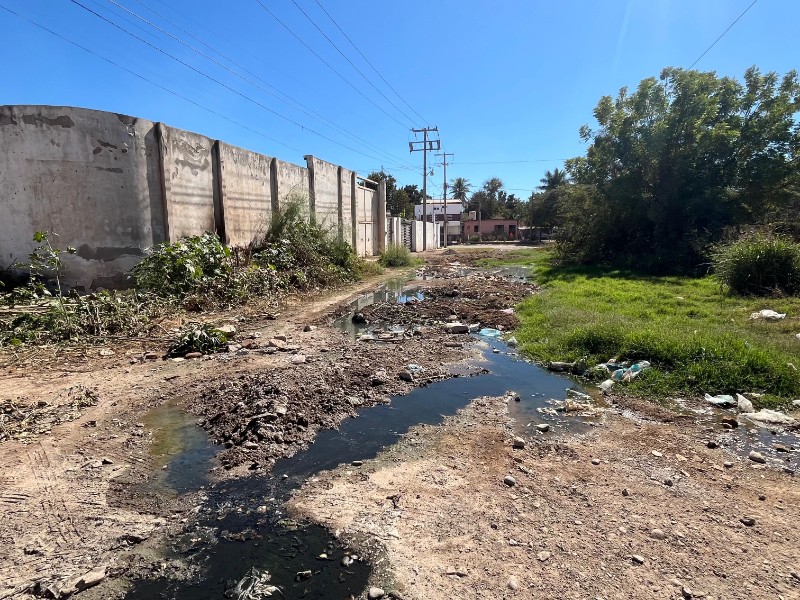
(491,229)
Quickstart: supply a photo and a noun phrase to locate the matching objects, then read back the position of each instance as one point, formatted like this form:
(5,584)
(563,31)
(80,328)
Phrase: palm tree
(460,187)
(554,179)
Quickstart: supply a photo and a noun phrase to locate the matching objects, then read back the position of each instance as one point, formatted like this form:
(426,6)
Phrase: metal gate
(405,225)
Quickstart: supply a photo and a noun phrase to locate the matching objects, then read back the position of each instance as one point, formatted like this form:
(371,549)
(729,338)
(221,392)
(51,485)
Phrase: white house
(438,211)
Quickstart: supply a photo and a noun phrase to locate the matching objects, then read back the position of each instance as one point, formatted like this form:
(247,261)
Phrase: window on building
(499,228)
(512,229)
(476,228)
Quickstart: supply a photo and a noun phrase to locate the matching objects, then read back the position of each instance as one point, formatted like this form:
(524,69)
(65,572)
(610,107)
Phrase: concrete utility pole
(444,193)
(427,146)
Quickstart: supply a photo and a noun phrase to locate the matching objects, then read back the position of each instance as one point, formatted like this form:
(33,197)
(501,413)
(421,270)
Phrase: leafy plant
(759,265)
(190,265)
(196,337)
(396,255)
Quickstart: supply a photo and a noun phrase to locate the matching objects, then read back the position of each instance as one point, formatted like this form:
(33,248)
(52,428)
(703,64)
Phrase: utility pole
(444,193)
(427,146)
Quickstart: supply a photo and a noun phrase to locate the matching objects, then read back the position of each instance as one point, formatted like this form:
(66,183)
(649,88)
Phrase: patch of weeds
(698,339)
(759,265)
(203,338)
(397,255)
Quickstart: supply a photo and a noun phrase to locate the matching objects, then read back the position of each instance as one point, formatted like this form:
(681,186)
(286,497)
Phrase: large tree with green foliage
(673,164)
(459,189)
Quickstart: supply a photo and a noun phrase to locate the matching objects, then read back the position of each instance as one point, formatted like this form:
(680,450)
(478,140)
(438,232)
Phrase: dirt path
(434,512)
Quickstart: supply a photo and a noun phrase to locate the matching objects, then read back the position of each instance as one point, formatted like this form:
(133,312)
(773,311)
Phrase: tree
(553,179)
(675,163)
(459,189)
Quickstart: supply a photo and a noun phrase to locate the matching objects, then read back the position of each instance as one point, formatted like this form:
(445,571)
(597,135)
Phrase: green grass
(698,338)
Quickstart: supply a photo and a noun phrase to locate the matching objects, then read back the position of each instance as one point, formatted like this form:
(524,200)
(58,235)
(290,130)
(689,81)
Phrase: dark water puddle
(241,530)
(180,446)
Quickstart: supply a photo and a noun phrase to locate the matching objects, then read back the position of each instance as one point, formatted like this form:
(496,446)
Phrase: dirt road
(83,506)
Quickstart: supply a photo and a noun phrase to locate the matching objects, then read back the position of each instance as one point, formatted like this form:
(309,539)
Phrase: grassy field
(698,338)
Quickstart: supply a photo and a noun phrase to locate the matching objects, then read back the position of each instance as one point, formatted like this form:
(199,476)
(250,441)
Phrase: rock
(762,497)
(518,443)
(106,461)
(509,481)
(308,328)
(228,329)
(406,376)
(781,448)
(248,445)
(727,464)
(302,575)
(193,355)
(357,463)
(375,592)
(513,583)
(756,457)
(668,482)
(299,359)
(730,422)
(712,444)
(82,582)
(150,355)
(278,343)
(543,555)
(595,461)
(657,534)
(686,592)
(359,319)
(656,453)
(456,328)
(543,427)
(560,367)
(747,521)
(795,574)
(625,492)
(638,559)
(347,561)
(234,347)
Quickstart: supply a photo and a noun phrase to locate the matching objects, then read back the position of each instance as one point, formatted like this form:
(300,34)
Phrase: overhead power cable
(367,79)
(273,91)
(327,64)
(150,81)
(353,44)
(221,83)
(507,162)
(736,20)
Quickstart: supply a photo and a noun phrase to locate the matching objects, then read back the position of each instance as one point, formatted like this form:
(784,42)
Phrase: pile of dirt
(25,420)
(473,298)
(261,417)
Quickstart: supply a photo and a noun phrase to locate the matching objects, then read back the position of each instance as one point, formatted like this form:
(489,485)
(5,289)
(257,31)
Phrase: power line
(352,43)
(723,33)
(150,81)
(276,93)
(367,79)
(220,83)
(509,162)
(327,64)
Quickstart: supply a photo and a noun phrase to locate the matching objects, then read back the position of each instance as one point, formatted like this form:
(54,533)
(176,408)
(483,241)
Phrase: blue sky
(504,81)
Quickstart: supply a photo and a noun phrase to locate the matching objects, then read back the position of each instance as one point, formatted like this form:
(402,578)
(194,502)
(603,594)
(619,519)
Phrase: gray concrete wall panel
(246,197)
(90,177)
(189,184)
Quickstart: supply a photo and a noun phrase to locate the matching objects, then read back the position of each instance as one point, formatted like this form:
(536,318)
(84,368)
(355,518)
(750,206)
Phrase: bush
(396,255)
(306,254)
(759,265)
(184,267)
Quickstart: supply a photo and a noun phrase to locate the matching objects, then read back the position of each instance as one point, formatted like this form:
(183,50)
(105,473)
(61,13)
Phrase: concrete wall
(324,192)
(190,187)
(245,193)
(92,177)
(113,186)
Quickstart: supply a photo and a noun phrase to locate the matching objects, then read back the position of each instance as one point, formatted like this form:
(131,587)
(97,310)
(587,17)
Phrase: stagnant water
(242,537)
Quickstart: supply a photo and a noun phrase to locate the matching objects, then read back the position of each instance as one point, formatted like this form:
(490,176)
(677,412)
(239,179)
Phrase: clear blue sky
(503,80)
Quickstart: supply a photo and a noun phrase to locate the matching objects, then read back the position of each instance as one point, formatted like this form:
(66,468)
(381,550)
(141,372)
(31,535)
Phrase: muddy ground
(78,454)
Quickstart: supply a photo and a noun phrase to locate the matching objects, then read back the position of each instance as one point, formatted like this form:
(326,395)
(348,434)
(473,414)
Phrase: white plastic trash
(721,400)
(743,404)
(768,315)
